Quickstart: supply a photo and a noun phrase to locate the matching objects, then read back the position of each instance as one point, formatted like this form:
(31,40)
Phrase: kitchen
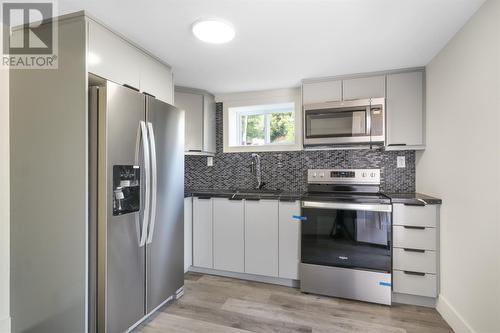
(196,174)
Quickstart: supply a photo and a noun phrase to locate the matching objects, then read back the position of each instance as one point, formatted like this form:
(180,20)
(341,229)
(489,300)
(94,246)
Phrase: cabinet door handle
(204,198)
(413,227)
(414,250)
(396,144)
(131,87)
(414,273)
(148,94)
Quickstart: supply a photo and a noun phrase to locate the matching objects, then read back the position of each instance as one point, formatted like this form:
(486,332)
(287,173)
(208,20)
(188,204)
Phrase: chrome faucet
(256,170)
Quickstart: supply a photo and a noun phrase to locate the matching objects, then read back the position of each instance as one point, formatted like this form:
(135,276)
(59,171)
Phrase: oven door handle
(348,206)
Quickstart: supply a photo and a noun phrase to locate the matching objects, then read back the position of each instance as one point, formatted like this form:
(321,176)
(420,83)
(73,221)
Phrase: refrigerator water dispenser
(126,189)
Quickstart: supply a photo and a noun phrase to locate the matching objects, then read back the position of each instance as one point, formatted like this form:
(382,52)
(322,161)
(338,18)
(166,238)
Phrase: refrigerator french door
(137,237)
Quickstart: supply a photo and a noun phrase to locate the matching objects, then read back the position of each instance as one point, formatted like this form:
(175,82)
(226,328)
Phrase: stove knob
(372,174)
(364,174)
(322,175)
(315,174)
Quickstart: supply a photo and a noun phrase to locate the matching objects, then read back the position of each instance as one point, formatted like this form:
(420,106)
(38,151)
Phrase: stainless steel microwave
(357,122)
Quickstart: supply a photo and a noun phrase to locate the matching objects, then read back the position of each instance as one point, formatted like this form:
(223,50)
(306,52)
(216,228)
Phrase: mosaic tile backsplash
(288,170)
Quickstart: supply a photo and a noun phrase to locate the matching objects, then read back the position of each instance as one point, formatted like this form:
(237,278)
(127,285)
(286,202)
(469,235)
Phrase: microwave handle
(369,120)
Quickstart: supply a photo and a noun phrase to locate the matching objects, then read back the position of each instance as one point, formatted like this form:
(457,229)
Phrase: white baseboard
(452,317)
(5,325)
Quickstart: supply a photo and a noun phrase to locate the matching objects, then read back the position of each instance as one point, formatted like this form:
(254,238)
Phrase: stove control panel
(344,176)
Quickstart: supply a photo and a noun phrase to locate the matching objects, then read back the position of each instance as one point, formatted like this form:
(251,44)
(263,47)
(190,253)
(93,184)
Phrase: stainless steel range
(346,236)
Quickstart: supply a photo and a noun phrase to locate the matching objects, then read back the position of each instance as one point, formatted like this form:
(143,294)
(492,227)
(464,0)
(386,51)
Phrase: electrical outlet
(401,162)
(210,161)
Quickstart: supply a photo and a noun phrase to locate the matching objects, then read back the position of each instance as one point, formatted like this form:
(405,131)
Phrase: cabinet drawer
(414,238)
(414,284)
(425,216)
(410,260)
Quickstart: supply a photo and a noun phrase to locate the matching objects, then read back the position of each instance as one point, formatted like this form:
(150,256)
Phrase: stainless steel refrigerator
(136,206)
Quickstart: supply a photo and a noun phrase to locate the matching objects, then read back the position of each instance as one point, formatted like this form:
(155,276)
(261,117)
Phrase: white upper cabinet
(320,92)
(365,87)
(192,104)
(404,94)
(209,124)
(405,110)
(156,80)
(113,58)
(200,120)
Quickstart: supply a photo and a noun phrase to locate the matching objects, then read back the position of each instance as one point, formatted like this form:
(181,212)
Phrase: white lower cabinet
(415,256)
(202,233)
(188,233)
(261,237)
(229,230)
(415,283)
(414,237)
(289,240)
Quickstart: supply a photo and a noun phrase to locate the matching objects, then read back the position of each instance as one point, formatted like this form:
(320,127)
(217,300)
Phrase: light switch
(401,162)
(210,161)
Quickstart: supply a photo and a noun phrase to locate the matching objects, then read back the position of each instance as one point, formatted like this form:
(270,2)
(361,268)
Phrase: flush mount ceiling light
(213,31)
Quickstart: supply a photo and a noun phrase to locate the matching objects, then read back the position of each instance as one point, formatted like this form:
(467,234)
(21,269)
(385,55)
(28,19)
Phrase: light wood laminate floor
(219,304)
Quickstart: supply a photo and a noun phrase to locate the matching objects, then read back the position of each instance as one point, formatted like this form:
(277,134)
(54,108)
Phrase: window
(265,124)
(262,121)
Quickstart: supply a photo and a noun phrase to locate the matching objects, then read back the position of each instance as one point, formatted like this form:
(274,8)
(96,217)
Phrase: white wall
(4,202)
(461,165)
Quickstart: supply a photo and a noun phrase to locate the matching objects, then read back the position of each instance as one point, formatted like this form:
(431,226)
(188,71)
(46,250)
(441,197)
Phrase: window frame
(258,98)
(267,122)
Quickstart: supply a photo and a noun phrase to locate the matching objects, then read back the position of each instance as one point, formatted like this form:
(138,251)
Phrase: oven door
(356,236)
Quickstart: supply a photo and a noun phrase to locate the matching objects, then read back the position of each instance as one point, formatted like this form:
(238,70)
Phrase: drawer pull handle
(416,228)
(414,250)
(204,198)
(414,273)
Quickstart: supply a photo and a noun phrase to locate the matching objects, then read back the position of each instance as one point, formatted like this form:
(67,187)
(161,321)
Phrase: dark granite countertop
(413,198)
(252,194)
(248,194)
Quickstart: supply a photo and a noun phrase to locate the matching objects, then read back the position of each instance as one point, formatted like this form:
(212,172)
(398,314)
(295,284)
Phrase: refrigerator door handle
(154,180)
(137,162)
(147,171)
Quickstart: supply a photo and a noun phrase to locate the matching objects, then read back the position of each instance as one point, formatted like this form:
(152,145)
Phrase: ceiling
(280,42)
